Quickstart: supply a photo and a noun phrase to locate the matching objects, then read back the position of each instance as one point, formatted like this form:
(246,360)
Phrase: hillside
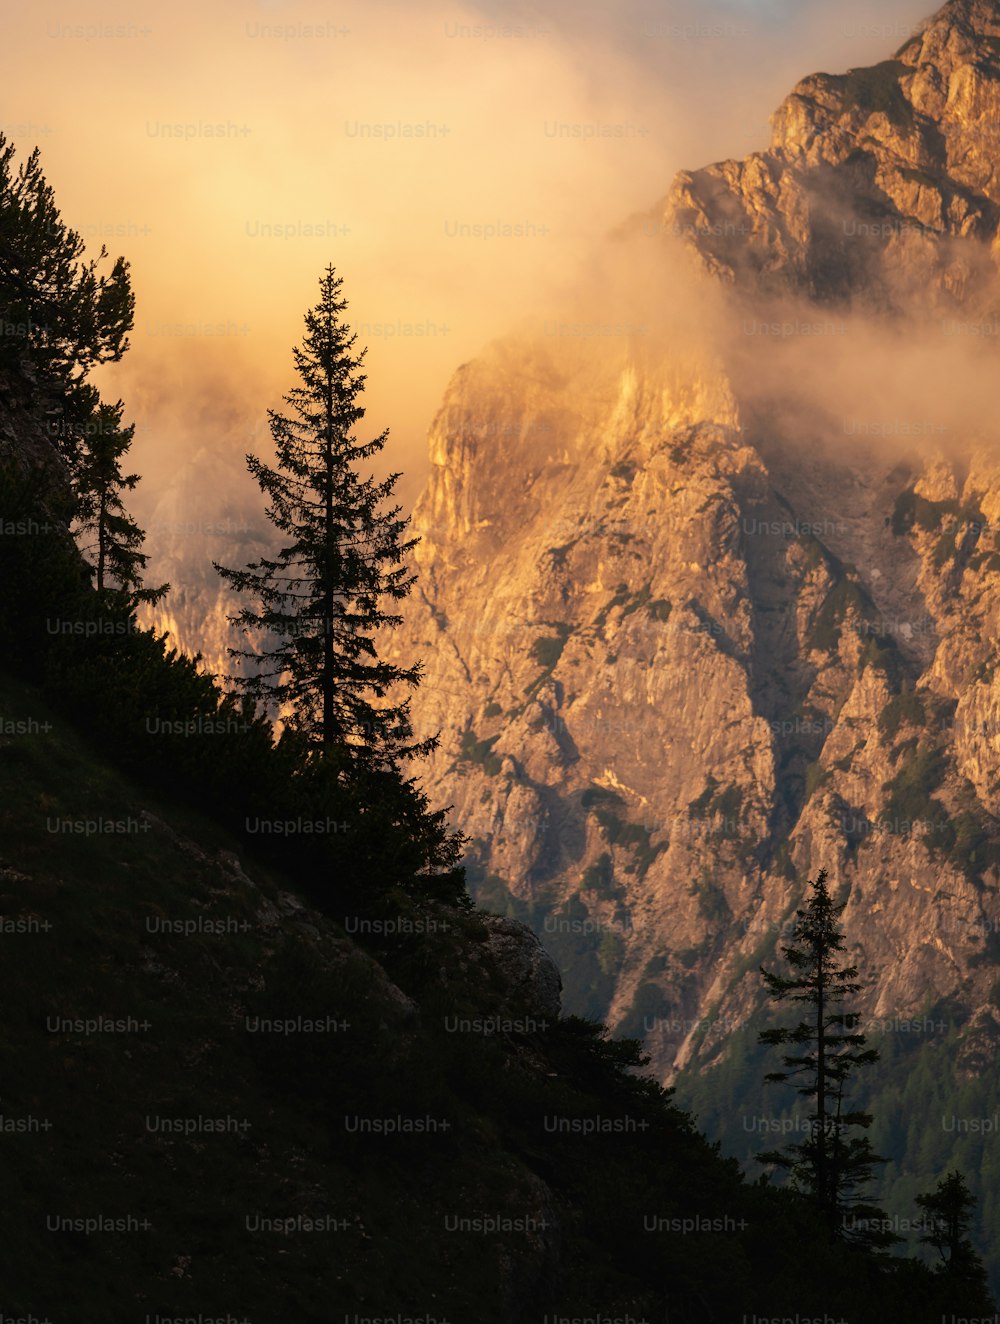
(284,1078)
(217,1103)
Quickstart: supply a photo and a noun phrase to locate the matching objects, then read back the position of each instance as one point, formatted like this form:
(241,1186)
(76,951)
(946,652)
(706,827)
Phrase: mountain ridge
(660,527)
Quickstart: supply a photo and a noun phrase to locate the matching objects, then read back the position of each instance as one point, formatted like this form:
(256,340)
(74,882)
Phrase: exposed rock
(528,969)
(684,649)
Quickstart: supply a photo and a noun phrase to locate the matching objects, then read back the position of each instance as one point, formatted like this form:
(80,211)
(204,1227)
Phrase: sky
(457,162)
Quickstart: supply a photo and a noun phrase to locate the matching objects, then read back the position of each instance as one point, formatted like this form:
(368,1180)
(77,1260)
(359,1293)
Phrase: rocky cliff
(698,622)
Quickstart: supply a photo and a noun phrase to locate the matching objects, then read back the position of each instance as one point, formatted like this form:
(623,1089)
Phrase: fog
(457,163)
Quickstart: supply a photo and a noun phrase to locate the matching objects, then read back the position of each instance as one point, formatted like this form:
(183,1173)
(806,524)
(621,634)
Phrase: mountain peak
(978,12)
(966,18)
(905,152)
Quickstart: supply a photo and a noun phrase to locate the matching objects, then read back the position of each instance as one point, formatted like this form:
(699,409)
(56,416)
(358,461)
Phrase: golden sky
(231,149)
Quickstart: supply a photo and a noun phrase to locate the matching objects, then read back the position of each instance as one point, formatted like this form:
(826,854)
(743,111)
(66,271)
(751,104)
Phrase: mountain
(261,1057)
(281,1078)
(701,616)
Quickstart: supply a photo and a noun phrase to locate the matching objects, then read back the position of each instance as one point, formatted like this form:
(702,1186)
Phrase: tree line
(318,730)
(315,605)
(834,1164)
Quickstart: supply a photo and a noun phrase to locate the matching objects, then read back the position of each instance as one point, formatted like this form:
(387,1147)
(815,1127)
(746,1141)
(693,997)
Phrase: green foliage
(845,598)
(971,839)
(929,1118)
(205,768)
(168,723)
(783,865)
(70,318)
(816,776)
(480,753)
(903,708)
(910,798)
(880,651)
(712,904)
(62,318)
(599,877)
(948,1209)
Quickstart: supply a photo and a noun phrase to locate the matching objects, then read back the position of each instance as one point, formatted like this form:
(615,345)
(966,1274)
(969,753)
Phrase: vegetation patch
(712,904)
(599,877)
(903,708)
(845,598)
(911,792)
(480,753)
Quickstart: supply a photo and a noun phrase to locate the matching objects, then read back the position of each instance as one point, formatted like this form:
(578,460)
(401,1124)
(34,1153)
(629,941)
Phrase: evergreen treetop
(318,602)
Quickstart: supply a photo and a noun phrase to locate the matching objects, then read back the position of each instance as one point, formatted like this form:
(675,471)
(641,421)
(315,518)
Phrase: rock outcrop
(683,650)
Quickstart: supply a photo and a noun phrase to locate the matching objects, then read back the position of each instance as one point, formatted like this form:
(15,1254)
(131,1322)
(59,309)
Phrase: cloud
(457,162)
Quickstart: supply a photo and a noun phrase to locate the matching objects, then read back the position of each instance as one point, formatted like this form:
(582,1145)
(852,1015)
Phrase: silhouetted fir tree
(948,1210)
(61,317)
(830,1166)
(320,599)
(110,537)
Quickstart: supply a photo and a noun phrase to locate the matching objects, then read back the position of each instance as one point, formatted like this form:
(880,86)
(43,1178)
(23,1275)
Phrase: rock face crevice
(685,640)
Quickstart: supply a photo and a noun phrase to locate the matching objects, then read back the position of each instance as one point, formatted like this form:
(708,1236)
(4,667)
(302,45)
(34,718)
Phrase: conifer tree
(61,317)
(948,1210)
(109,536)
(317,603)
(830,1166)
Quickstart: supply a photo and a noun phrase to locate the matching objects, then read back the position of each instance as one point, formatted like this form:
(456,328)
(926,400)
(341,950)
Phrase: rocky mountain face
(697,623)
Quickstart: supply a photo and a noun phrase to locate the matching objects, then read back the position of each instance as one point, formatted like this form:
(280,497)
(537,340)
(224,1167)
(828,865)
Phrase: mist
(458,164)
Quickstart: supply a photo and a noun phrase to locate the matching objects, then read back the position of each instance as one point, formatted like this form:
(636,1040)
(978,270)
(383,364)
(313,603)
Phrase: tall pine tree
(317,604)
(109,536)
(832,1167)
